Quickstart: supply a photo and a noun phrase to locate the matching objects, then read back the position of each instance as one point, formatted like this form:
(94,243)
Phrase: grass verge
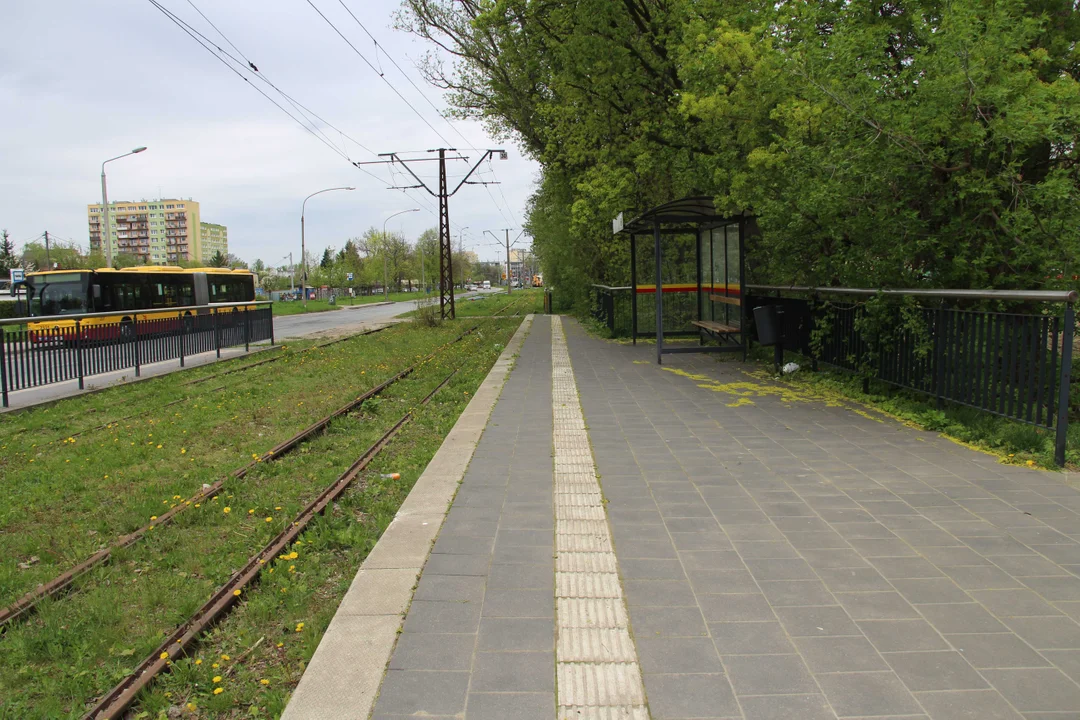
(296,307)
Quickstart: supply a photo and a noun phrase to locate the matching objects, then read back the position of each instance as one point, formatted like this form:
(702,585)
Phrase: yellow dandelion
(269,519)
(183,451)
(236,592)
(264,681)
(226,657)
(226,510)
(153,517)
(164,656)
(277,507)
(293,555)
(217,678)
(198,505)
(251,512)
(218,691)
(299,627)
(215,666)
(192,707)
(198,662)
(281,644)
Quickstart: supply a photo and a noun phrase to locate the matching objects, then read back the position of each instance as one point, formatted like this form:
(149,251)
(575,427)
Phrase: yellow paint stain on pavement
(761,384)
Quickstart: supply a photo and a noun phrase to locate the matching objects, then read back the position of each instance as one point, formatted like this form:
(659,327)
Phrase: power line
(404,74)
(251,68)
(376,71)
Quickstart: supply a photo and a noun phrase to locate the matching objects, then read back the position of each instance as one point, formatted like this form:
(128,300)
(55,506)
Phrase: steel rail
(27,602)
(1062,296)
(116,702)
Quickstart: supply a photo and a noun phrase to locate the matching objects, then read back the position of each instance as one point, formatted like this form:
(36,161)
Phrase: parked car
(487,284)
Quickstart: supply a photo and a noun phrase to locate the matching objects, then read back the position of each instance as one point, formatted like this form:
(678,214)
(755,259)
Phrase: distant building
(158,232)
(215,238)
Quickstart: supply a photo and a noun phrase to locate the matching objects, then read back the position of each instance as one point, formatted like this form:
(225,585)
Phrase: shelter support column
(659,295)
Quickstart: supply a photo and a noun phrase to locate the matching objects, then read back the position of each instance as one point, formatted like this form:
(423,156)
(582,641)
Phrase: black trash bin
(769,321)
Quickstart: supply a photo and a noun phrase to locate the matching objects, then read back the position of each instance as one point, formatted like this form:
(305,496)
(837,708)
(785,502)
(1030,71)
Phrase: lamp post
(303,248)
(105,232)
(385,283)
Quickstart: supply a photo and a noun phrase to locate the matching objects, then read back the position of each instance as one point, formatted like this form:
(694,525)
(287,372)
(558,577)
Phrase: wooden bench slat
(726,299)
(715,326)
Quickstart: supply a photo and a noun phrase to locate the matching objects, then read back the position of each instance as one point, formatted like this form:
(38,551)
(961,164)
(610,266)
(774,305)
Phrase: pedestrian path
(686,542)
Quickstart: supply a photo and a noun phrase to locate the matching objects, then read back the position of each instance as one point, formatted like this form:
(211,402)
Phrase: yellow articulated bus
(147,290)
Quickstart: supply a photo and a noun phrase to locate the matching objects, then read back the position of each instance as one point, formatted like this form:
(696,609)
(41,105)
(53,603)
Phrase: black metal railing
(1016,365)
(74,347)
(611,308)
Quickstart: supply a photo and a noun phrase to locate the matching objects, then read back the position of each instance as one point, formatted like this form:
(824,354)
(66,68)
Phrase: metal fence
(1015,365)
(79,346)
(613,307)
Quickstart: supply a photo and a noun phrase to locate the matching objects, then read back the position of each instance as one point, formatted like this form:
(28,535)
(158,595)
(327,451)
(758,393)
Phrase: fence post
(1063,390)
(247,332)
(181,318)
(3,366)
(217,337)
(270,319)
(78,352)
(135,332)
(939,361)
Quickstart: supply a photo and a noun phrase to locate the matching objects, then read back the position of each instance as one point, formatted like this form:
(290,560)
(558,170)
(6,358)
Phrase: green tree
(327,259)
(7,254)
(219,260)
(904,143)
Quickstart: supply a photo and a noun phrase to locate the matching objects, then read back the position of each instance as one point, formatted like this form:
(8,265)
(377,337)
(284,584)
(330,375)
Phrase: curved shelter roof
(690,211)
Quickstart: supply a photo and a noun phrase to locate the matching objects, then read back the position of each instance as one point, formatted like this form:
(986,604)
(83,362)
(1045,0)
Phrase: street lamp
(106,234)
(303,253)
(385,283)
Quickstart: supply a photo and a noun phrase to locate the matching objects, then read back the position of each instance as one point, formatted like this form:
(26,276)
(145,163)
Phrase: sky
(81,82)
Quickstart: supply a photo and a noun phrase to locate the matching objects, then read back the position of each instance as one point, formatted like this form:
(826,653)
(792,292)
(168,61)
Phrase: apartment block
(157,232)
(214,238)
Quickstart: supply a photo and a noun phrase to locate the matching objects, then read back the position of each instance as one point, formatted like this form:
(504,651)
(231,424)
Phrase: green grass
(296,307)
(75,496)
(524,301)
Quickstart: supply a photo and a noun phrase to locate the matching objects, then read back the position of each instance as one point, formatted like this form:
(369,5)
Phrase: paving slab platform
(775,556)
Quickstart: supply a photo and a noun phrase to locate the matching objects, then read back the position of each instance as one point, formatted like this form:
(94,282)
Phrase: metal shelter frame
(689,215)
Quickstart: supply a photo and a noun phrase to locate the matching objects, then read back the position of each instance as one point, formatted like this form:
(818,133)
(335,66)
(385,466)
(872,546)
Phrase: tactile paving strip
(597,667)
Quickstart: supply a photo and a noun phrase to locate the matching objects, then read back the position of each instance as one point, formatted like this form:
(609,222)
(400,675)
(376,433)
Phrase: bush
(427,313)
(7,309)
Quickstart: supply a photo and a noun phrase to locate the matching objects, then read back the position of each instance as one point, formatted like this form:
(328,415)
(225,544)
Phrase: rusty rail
(27,602)
(116,702)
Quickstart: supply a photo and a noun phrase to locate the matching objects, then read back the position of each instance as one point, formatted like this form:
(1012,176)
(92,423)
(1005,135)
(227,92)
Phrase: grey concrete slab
(490,579)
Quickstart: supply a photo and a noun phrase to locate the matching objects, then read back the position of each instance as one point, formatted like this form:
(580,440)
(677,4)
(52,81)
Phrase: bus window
(58,294)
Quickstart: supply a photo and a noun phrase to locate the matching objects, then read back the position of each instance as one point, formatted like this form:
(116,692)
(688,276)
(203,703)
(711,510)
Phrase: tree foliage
(879,143)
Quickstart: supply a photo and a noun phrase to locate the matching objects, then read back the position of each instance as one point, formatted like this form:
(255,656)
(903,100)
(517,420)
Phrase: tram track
(60,583)
(116,702)
(57,585)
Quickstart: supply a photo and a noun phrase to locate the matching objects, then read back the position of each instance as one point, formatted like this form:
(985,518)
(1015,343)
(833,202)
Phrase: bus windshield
(61,294)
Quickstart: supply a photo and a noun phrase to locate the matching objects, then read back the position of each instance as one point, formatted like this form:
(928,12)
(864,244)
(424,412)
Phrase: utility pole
(446,250)
(509,274)
(48,258)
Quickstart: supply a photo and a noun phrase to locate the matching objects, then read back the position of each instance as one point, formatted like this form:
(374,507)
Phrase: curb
(343,678)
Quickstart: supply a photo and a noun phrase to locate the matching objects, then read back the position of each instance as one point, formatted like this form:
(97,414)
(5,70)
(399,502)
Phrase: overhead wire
(420,92)
(376,71)
(248,66)
(405,75)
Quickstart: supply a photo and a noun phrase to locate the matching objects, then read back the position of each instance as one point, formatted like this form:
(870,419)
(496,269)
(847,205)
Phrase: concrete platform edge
(343,678)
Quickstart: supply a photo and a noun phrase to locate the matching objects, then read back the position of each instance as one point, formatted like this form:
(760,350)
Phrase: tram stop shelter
(697,268)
